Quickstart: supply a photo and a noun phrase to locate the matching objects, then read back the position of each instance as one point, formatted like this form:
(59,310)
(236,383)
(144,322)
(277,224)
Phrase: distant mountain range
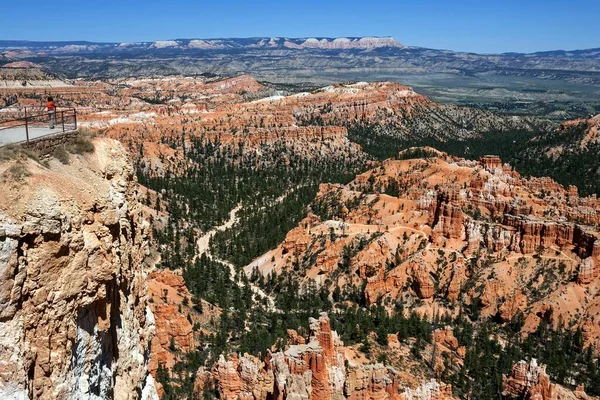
(312,43)
(208,44)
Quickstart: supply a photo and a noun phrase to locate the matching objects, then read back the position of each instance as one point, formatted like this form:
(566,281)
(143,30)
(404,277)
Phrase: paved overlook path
(17,134)
(18,126)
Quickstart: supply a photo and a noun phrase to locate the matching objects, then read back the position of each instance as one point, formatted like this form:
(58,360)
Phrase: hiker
(51,111)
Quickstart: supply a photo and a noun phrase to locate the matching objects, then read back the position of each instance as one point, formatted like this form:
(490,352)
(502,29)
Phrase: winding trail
(203,246)
(564,257)
(204,240)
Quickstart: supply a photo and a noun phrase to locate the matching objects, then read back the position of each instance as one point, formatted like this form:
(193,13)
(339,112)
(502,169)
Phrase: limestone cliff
(74,322)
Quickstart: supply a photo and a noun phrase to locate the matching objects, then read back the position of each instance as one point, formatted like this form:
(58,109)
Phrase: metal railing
(33,126)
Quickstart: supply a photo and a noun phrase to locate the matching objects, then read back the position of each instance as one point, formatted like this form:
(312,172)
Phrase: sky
(484,26)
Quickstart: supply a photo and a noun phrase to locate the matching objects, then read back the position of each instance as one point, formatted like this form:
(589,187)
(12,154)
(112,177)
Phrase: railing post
(75,117)
(62,116)
(26,126)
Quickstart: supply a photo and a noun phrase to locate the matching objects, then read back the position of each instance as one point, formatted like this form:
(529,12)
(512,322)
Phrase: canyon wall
(74,322)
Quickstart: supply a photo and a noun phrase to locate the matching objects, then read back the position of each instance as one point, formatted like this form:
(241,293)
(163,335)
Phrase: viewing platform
(31,127)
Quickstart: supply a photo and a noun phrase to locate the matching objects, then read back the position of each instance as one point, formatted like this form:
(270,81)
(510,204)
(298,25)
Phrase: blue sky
(479,26)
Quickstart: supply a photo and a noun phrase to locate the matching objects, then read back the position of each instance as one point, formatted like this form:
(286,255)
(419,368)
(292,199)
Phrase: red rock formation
(456,281)
(298,239)
(174,311)
(321,332)
(372,381)
(243,378)
(319,357)
(445,336)
(514,303)
(491,296)
(529,381)
(432,390)
(448,221)
(592,126)
(393,341)
(588,271)
(314,370)
(423,283)
(543,389)
(294,338)
(167,290)
(453,221)
(491,162)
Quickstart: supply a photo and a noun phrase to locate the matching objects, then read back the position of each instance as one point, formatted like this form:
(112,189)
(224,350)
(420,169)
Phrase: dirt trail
(203,245)
(204,240)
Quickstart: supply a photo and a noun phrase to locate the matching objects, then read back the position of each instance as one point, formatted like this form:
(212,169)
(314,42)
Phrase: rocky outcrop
(491,163)
(445,336)
(371,381)
(448,220)
(513,304)
(520,233)
(181,322)
(294,338)
(588,271)
(243,378)
(423,283)
(298,239)
(73,316)
(432,390)
(527,380)
(314,370)
(317,359)
(173,329)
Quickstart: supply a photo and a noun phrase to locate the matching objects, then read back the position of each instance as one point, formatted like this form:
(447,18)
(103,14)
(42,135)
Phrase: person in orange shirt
(51,111)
